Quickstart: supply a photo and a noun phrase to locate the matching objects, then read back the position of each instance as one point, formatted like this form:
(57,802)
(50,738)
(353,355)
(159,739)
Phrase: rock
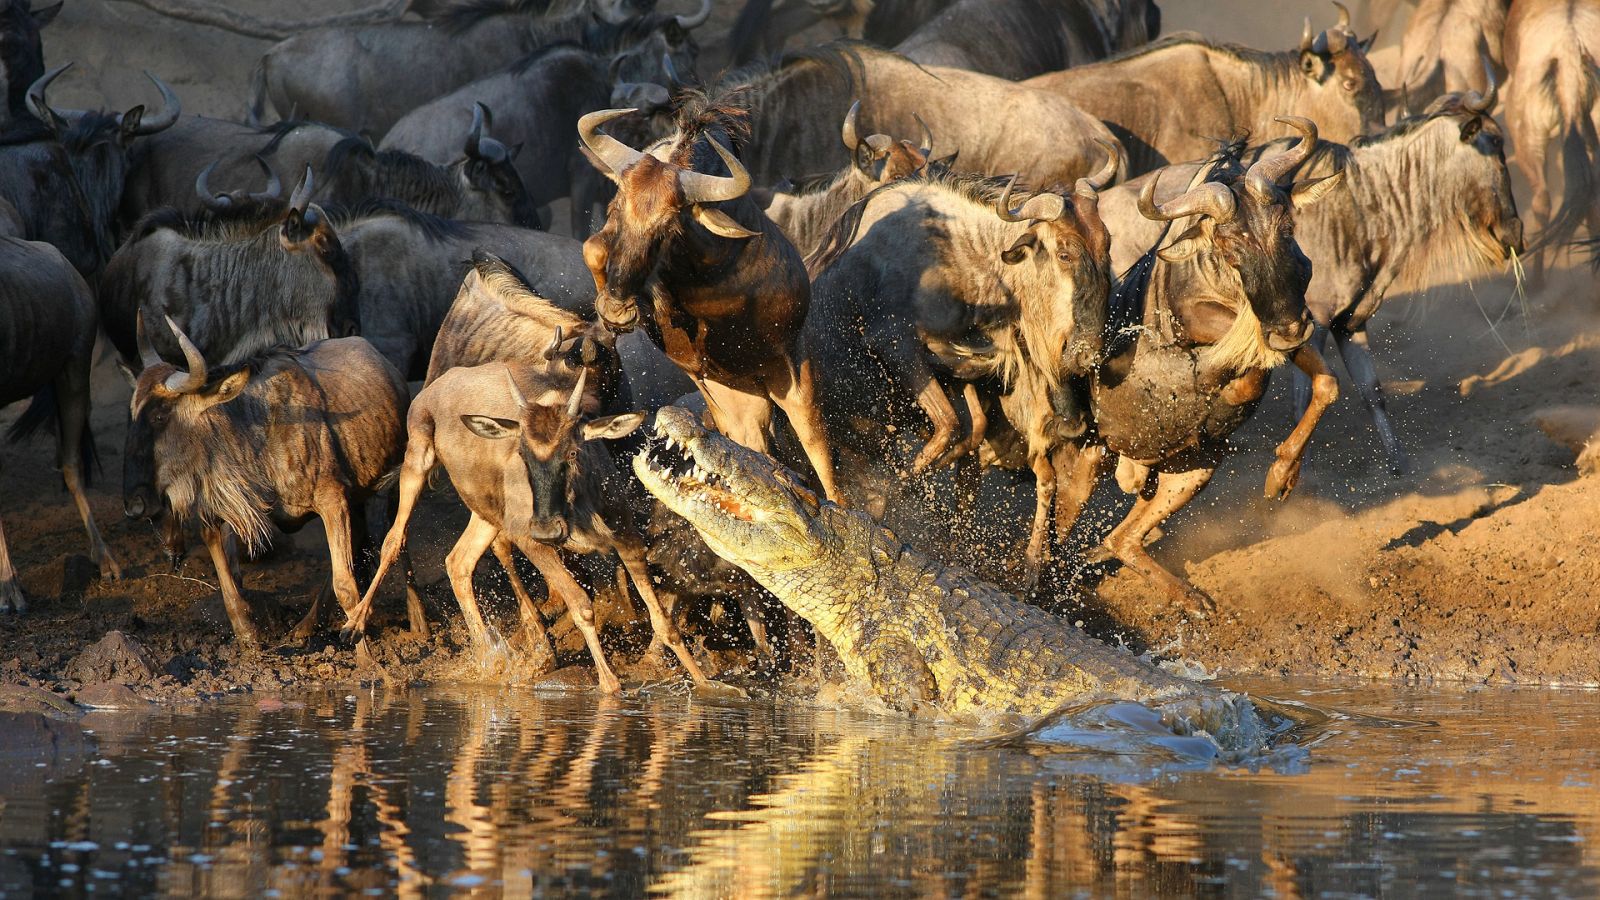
(18,699)
(1576,428)
(110,695)
(115,657)
(41,738)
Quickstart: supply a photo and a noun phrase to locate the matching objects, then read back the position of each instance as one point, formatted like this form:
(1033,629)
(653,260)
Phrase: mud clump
(114,658)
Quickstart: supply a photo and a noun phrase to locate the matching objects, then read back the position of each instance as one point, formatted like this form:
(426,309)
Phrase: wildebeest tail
(258,95)
(43,410)
(1576,102)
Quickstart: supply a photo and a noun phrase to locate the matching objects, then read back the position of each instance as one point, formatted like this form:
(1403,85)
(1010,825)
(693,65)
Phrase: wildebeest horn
(480,146)
(164,118)
(1108,171)
(1306,37)
(1269,170)
(699,187)
(302,193)
(36,103)
(1483,103)
(1040,207)
(274,186)
(576,401)
(927,136)
(554,350)
(202,187)
(698,19)
(516,392)
(1207,199)
(851,135)
(194,379)
(147,354)
(1344,15)
(610,152)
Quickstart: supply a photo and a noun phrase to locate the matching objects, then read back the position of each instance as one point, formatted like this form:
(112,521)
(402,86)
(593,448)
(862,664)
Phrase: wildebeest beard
(1276,301)
(214,478)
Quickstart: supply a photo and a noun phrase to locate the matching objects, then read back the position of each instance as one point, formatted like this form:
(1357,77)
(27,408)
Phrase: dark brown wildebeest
(1223,304)
(21,53)
(47,332)
(1019,39)
(714,282)
(1429,196)
(875,160)
(1170,101)
(1552,51)
(276,439)
(1450,47)
(942,275)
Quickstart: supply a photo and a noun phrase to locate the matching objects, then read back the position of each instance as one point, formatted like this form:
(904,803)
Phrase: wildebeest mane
(280,130)
(984,190)
(435,228)
(459,15)
(242,221)
(700,114)
(1285,60)
(394,174)
(1047,23)
(545,52)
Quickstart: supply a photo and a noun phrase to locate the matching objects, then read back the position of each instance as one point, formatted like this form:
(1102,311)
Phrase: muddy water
(438,791)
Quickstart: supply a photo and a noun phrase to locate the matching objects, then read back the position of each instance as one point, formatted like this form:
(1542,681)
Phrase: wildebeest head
(21,52)
(1334,63)
(1250,257)
(549,432)
(1471,167)
(306,228)
(491,188)
(879,158)
(656,203)
(657,45)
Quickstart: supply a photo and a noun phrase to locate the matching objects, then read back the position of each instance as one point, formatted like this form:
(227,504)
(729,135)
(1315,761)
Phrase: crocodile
(918,632)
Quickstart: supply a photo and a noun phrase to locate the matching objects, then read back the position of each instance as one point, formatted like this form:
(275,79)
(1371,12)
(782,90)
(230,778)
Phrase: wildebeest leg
(10,591)
(798,400)
(413,476)
(1126,542)
(72,399)
(1084,465)
(563,585)
(661,624)
(460,563)
(1532,142)
(902,356)
(1285,473)
(225,557)
(980,426)
(1357,357)
(537,638)
(416,619)
(1302,381)
(750,607)
(1044,497)
(334,509)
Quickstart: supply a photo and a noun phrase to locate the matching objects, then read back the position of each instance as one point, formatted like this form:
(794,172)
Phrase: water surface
(517,793)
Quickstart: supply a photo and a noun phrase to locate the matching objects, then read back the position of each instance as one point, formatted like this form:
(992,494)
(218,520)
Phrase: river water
(1404,791)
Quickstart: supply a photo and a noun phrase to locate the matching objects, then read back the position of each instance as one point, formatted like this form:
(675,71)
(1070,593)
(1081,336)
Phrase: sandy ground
(1480,564)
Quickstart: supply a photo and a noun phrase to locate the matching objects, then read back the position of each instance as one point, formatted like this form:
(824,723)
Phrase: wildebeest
(943,278)
(1429,196)
(252,276)
(1216,308)
(1019,39)
(1171,100)
(727,292)
(366,78)
(278,438)
(21,52)
(64,171)
(875,160)
(1449,47)
(1552,96)
(996,126)
(47,332)
(762,26)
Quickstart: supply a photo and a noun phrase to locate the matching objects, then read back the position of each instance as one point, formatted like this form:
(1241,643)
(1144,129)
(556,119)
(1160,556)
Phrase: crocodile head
(749,509)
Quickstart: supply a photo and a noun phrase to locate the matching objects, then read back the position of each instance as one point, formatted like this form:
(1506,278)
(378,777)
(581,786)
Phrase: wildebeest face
(1350,100)
(643,218)
(1485,183)
(494,192)
(306,229)
(1260,245)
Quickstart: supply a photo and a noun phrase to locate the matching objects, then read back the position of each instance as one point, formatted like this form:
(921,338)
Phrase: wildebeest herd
(970,236)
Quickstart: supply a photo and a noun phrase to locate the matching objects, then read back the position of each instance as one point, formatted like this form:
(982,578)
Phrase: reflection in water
(520,794)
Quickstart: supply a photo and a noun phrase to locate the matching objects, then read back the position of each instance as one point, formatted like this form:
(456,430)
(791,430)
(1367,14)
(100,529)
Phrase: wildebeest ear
(1366,45)
(721,224)
(1018,251)
(490,427)
(610,428)
(44,15)
(231,387)
(1187,245)
(1312,65)
(1470,129)
(129,127)
(128,374)
(1310,191)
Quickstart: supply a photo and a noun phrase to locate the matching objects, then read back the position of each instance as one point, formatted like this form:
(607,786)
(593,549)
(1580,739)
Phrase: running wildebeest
(277,438)
(47,332)
(1019,39)
(714,282)
(1171,100)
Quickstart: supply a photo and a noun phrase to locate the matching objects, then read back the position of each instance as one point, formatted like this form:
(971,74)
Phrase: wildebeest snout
(138,502)
(548,531)
(1289,337)
(620,314)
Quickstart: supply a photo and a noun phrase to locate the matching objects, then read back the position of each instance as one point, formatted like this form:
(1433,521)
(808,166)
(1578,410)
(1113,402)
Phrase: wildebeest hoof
(11,598)
(720,691)
(349,637)
(1197,602)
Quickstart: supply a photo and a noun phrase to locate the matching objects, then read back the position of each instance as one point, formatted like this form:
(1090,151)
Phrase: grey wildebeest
(713,280)
(250,277)
(875,160)
(21,52)
(1216,308)
(1552,94)
(1019,39)
(970,114)
(1172,100)
(64,171)
(47,332)
(1446,46)
(278,438)
(366,78)
(1427,197)
(943,279)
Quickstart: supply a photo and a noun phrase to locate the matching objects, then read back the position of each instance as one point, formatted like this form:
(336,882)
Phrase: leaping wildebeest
(717,286)
(47,332)
(1019,39)
(1170,101)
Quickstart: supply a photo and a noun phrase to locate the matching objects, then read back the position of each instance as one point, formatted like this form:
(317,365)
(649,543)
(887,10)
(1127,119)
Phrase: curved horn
(1483,103)
(926,147)
(147,354)
(1108,171)
(475,133)
(1207,199)
(194,379)
(516,392)
(848,132)
(274,188)
(164,118)
(689,23)
(1269,170)
(1306,37)
(36,103)
(1040,207)
(612,154)
(699,187)
(302,193)
(1337,40)
(1344,15)
(554,350)
(576,402)
(202,186)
